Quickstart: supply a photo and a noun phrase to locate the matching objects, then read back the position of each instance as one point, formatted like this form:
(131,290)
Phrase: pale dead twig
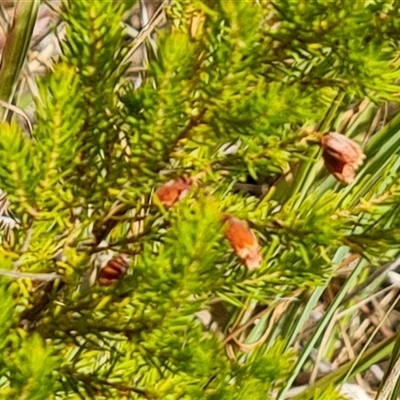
(27,241)
(30,275)
(234,332)
(372,127)
(236,322)
(360,334)
(342,357)
(5,19)
(388,299)
(376,321)
(365,301)
(279,310)
(324,343)
(31,83)
(350,351)
(144,19)
(230,352)
(378,307)
(370,339)
(147,30)
(113,212)
(375,275)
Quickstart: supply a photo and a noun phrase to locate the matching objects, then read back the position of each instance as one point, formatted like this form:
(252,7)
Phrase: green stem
(16,48)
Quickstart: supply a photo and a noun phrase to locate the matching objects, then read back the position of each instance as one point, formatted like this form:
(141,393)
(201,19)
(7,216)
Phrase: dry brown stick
(322,347)
(350,350)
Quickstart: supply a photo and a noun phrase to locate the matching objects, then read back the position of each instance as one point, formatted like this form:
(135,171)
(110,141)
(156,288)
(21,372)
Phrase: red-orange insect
(113,271)
(243,241)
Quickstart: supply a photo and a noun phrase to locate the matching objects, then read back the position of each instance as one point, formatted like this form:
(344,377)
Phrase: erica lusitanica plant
(167,232)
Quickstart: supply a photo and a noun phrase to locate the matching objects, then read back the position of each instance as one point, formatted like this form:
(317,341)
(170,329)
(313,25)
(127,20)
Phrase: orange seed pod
(173,191)
(342,156)
(113,271)
(243,241)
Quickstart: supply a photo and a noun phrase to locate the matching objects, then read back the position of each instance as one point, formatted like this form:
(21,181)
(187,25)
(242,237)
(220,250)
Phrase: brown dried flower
(113,271)
(342,156)
(243,241)
(173,191)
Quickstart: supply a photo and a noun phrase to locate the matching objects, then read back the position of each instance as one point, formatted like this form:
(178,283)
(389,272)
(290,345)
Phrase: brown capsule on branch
(243,241)
(342,156)
(113,271)
(174,191)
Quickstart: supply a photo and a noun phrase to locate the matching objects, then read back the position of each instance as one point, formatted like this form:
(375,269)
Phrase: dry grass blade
(147,30)
(390,383)
(30,275)
(18,111)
